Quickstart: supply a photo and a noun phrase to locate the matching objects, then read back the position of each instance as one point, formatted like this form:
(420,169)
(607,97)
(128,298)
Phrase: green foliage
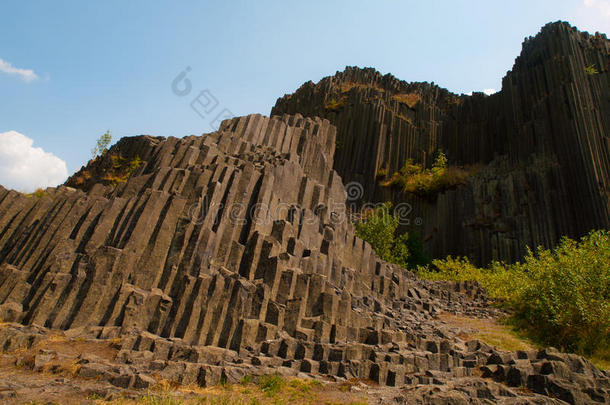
(440,163)
(379,226)
(417,254)
(561,297)
(591,70)
(413,178)
(335,104)
(101,145)
(381,173)
(122,169)
(39,193)
(378,229)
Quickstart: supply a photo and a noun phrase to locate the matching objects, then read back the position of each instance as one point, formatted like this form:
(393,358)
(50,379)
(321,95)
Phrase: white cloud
(24,167)
(591,16)
(601,6)
(27,75)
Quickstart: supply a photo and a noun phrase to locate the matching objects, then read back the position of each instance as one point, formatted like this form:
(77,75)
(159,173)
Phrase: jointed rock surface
(232,254)
(538,149)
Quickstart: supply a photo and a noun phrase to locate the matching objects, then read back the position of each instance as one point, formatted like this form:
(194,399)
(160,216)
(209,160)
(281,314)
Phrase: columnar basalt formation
(539,149)
(208,258)
(230,254)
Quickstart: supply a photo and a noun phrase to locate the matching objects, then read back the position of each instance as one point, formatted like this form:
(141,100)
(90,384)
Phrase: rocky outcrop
(538,150)
(231,254)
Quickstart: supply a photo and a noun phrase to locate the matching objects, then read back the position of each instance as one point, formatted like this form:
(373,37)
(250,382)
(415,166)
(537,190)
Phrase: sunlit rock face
(208,258)
(538,149)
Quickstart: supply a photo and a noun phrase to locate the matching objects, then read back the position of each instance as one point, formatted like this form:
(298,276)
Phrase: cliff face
(541,145)
(209,258)
(215,257)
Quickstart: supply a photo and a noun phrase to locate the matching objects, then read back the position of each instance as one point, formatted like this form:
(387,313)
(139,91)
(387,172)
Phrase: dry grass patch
(490,331)
(410,99)
(269,389)
(347,86)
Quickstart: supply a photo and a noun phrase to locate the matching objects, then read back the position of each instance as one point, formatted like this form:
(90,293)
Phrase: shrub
(38,193)
(561,297)
(379,226)
(122,169)
(413,178)
(591,70)
(335,104)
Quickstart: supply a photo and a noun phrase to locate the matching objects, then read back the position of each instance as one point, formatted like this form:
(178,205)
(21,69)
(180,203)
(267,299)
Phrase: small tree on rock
(101,145)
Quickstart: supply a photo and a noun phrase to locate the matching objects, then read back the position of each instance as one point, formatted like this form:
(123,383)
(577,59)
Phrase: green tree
(379,227)
(101,145)
(440,164)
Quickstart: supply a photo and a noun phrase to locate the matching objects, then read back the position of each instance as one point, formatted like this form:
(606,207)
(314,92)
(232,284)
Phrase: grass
(495,333)
(271,384)
(410,99)
(347,86)
(427,183)
(158,399)
(268,389)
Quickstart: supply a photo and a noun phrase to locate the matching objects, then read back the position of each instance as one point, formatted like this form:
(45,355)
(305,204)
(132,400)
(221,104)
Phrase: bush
(335,104)
(561,297)
(378,227)
(591,70)
(413,178)
(38,193)
(122,169)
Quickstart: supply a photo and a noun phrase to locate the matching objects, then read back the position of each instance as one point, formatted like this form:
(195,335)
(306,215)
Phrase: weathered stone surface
(231,254)
(541,145)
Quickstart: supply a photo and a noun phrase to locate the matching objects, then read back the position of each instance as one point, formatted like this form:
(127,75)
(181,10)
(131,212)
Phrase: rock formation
(541,145)
(213,257)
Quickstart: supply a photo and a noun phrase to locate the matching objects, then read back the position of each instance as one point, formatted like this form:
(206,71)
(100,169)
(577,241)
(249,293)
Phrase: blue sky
(70,70)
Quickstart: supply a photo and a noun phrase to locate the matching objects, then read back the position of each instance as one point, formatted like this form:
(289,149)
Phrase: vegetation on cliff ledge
(561,297)
(413,178)
(122,169)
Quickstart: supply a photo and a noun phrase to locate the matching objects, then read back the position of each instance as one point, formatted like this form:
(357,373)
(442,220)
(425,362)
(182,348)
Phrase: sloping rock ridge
(539,149)
(230,254)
